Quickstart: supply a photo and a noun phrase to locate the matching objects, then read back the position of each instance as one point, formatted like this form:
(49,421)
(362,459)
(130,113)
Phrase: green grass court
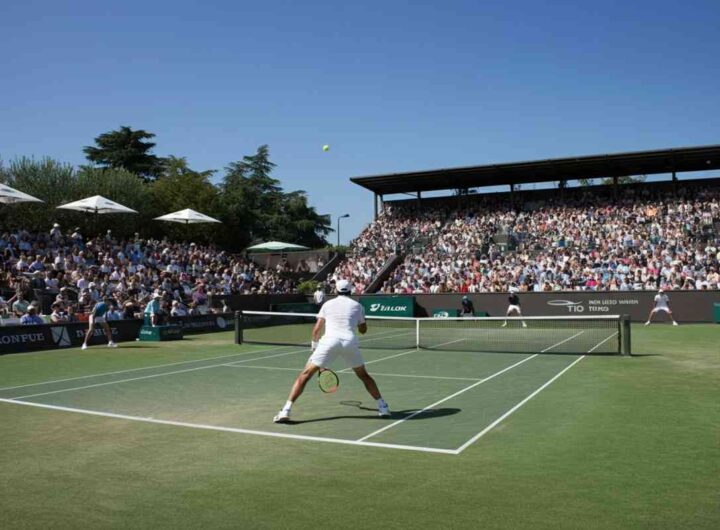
(179,435)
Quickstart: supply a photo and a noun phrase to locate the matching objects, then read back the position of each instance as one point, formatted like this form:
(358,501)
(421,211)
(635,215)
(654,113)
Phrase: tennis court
(443,399)
(179,434)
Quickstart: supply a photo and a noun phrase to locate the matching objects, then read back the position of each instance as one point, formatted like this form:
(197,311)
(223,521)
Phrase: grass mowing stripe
(447,398)
(506,414)
(154,375)
(297,370)
(230,429)
(141,368)
(346,370)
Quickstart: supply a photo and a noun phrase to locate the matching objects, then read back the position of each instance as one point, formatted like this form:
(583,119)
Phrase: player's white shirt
(661,300)
(342,316)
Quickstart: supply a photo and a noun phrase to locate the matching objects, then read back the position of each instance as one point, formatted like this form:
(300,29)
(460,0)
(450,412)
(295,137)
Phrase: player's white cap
(660,291)
(343,286)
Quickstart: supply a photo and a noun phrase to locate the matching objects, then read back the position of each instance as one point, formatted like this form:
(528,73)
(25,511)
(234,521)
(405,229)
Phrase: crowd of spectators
(396,229)
(584,240)
(66,274)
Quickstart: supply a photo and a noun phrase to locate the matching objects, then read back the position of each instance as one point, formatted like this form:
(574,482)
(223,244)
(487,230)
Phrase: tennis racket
(328,381)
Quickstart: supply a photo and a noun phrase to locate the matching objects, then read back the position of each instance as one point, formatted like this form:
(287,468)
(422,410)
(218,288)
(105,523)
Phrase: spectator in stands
(58,314)
(20,305)
(31,316)
(178,310)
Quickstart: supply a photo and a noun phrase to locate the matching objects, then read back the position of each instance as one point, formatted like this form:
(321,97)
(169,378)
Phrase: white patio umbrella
(10,195)
(97,205)
(277,245)
(187,216)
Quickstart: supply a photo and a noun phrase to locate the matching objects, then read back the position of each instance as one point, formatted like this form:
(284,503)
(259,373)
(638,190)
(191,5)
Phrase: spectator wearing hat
(178,310)
(153,311)
(55,233)
(31,316)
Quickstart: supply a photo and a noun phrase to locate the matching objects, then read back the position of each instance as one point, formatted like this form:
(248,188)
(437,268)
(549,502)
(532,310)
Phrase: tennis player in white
(340,316)
(661,305)
(514,306)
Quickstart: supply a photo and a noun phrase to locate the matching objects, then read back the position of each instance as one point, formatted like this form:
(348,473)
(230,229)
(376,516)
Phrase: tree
(126,149)
(255,206)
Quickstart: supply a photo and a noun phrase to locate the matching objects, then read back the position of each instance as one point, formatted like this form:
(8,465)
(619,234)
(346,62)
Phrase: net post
(238,327)
(625,343)
(417,333)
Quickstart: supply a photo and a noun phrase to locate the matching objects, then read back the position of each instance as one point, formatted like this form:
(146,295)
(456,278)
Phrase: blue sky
(391,86)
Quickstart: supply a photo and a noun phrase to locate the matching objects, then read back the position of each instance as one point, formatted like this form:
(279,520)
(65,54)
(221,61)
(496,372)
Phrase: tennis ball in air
(326,148)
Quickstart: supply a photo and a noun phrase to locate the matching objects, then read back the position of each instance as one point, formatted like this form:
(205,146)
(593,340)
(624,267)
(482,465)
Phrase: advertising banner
(15,339)
(206,323)
(388,306)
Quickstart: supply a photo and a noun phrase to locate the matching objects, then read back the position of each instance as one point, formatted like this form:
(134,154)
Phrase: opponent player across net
(340,317)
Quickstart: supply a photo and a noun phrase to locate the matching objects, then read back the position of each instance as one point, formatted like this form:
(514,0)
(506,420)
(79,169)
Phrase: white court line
(232,429)
(501,418)
(374,373)
(562,341)
(142,368)
(446,398)
(601,343)
(153,375)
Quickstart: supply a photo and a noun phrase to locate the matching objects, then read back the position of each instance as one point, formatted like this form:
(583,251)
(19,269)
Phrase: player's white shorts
(661,308)
(330,348)
(96,319)
(513,308)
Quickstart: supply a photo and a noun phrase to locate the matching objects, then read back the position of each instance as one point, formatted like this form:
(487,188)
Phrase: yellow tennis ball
(326,148)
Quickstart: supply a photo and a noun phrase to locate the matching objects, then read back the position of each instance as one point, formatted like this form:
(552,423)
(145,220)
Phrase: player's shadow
(395,414)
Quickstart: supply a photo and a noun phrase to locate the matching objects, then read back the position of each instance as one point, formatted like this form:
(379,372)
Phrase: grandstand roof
(595,166)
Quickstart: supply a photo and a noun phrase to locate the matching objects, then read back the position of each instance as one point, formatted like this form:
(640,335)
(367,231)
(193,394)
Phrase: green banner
(388,306)
(300,307)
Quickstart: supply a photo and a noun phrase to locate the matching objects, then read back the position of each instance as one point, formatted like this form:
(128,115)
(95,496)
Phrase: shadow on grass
(395,415)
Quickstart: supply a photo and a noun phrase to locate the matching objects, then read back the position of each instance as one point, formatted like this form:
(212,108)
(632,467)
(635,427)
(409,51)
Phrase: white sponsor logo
(391,308)
(60,336)
(572,307)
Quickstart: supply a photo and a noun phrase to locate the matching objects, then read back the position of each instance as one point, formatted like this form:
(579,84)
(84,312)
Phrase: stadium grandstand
(624,234)
(65,274)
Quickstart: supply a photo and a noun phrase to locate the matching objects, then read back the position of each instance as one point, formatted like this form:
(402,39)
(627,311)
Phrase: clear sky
(391,86)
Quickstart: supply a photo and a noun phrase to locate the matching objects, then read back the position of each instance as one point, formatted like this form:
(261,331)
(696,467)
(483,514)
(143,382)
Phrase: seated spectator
(178,310)
(58,314)
(20,305)
(31,316)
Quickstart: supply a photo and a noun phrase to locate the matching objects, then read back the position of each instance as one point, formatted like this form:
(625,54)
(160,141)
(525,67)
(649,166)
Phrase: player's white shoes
(675,323)
(524,325)
(384,410)
(83,347)
(647,323)
(112,344)
(282,417)
(504,325)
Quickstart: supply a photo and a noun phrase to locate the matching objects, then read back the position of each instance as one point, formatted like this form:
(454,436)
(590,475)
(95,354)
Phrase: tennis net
(579,334)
